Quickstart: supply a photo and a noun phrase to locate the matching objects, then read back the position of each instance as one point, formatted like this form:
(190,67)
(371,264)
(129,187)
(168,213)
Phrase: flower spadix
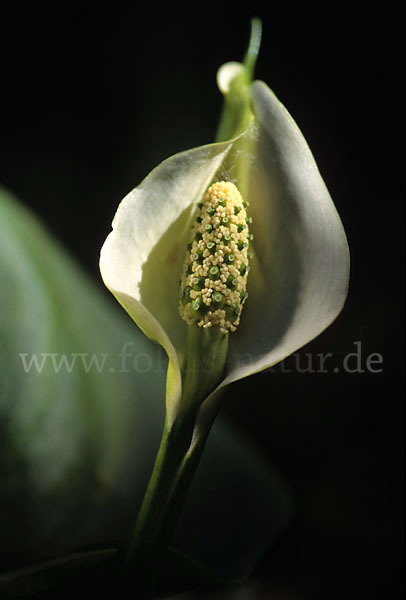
(214,279)
(296,279)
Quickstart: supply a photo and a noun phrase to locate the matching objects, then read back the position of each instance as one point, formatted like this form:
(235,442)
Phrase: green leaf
(49,573)
(77,449)
(75,446)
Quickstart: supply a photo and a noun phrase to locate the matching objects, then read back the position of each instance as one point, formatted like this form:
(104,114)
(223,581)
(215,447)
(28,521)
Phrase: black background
(92,98)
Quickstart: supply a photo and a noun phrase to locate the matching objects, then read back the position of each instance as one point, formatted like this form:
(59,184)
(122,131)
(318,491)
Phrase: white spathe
(299,277)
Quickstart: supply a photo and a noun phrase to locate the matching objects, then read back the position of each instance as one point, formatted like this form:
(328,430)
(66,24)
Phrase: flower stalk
(176,463)
(174,468)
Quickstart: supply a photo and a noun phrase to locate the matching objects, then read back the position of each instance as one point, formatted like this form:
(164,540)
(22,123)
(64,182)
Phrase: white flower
(299,274)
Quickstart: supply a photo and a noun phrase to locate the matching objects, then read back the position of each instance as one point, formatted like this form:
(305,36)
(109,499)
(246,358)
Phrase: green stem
(237,113)
(165,495)
(176,463)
